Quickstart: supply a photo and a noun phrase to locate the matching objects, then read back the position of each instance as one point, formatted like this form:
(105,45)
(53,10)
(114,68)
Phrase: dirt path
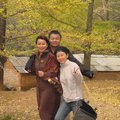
(22,105)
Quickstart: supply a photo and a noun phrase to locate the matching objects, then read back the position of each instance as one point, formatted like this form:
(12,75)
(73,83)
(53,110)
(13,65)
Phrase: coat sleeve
(73,59)
(53,70)
(29,67)
(86,72)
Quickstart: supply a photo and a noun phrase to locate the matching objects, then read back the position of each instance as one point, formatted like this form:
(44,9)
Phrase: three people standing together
(53,61)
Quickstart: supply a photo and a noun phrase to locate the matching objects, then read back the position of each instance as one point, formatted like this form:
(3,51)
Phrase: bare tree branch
(115,17)
(102,18)
(27,35)
(17,12)
(12,38)
(52,16)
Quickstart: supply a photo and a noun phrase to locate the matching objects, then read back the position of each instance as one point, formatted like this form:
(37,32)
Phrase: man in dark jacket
(55,39)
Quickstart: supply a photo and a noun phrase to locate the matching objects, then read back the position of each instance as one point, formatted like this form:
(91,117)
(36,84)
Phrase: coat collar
(43,54)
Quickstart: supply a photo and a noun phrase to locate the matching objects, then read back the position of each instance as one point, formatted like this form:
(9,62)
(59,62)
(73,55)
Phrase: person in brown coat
(46,67)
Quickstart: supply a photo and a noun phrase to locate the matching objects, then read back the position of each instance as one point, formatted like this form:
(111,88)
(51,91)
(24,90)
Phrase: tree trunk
(105,8)
(107,11)
(87,59)
(90,17)
(2,37)
(87,54)
(2,61)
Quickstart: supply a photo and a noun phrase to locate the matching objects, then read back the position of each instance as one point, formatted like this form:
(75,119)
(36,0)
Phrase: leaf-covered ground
(22,105)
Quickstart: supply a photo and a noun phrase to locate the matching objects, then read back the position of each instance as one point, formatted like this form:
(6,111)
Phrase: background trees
(3,12)
(28,18)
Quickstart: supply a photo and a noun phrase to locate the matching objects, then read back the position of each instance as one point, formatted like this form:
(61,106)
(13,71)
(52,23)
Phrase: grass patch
(7,117)
(104,26)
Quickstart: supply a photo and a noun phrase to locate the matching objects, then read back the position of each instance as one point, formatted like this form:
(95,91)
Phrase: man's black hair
(54,32)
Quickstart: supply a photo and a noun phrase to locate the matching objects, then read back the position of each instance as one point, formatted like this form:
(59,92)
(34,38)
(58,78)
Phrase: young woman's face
(41,45)
(61,57)
(54,40)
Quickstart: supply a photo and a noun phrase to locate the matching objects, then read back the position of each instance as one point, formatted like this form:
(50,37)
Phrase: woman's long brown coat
(47,97)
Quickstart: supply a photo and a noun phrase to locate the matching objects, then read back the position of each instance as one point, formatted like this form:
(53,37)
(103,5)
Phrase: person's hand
(40,73)
(53,81)
(28,70)
(75,72)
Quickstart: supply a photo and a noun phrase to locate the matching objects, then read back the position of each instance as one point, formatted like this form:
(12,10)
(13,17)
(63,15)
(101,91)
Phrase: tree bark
(90,17)
(2,37)
(87,54)
(87,59)
(105,8)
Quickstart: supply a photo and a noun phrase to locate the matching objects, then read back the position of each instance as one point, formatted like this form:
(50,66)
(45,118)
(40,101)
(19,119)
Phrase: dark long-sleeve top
(73,59)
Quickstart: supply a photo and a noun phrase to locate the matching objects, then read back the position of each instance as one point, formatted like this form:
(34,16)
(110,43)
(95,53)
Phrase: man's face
(54,40)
